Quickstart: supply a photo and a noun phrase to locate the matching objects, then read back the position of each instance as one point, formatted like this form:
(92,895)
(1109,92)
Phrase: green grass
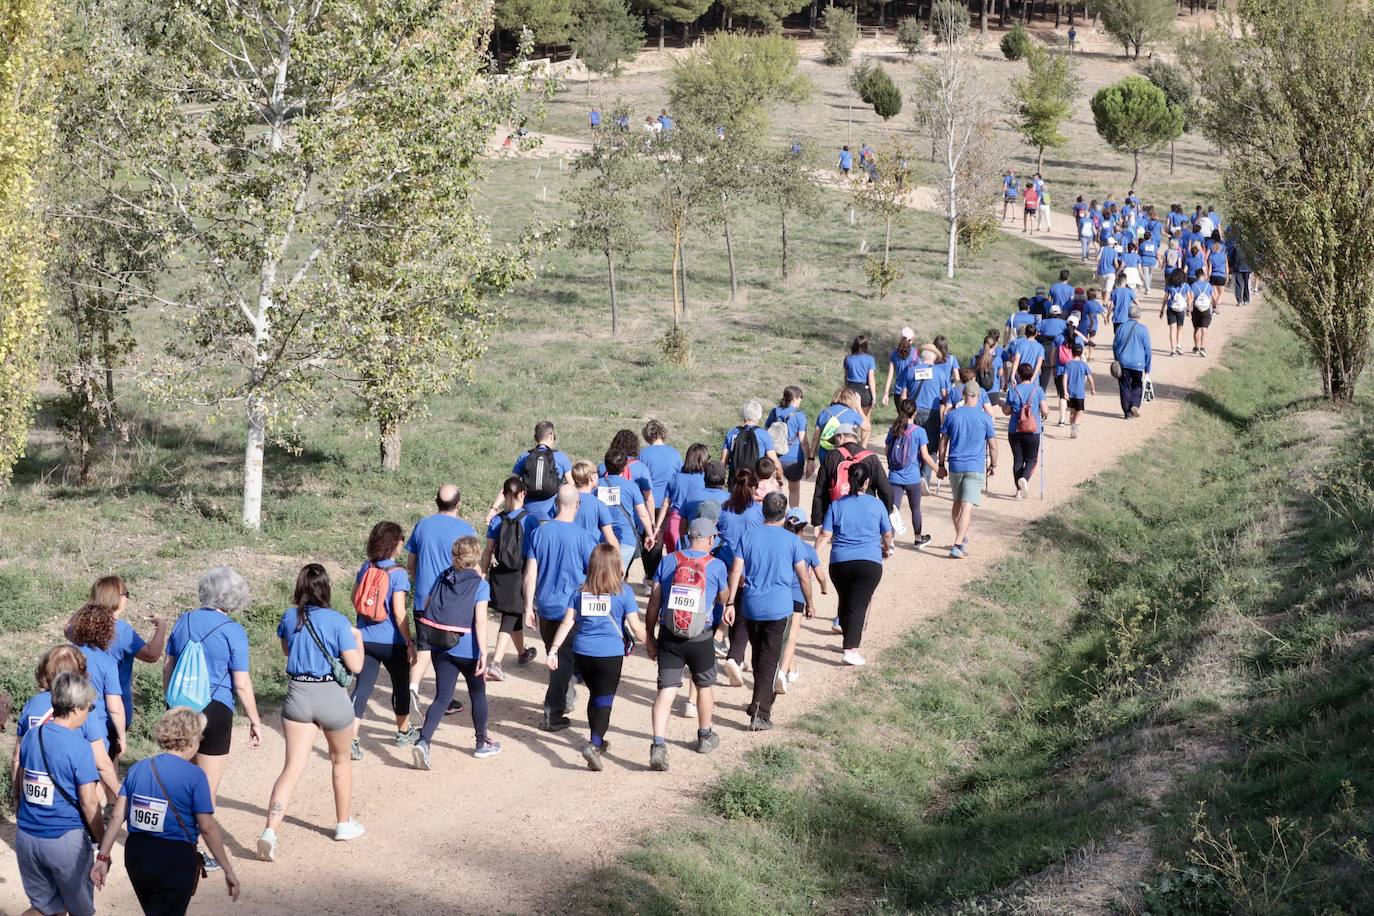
(986,746)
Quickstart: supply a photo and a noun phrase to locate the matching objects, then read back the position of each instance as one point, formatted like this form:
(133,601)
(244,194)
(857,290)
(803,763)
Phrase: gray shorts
(966,487)
(325,704)
(57,872)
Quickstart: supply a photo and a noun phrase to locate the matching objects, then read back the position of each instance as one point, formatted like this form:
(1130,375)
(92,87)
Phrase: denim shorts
(56,872)
(966,486)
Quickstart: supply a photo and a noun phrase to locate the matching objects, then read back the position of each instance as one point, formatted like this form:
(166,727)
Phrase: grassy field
(1195,636)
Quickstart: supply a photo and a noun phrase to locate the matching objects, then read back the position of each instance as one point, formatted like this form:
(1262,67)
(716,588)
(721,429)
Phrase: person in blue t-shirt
(55,661)
(1218,271)
(507,582)
(387,642)
(428,552)
(1061,293)
(861,532)
(924,387)
(686,487)
(1052,331)
(1178,294)
(1010,189)
(788,672)
(789,414)
(602,608)
(221,592)
(769,559)
(844,409)
(556,556)
(1195,257)
(1131,350)
(968,451)
(860,373)
(1018,320)
(165,803)
(539,493)
(750,414)
(53,836)
(629,516)
(663,462)
(1149,259)
(1123,298)
(846,162)
(897,360)
(665,122)
(313,636)
(989,366)
(592,514)
(1027,351)
(594,118)
(92,632)
(1078,381)
(127,646)
(1201,308)
(1025,444)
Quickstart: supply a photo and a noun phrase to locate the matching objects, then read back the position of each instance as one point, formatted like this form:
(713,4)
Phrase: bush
(747,793)
(883,94)
(910,34)
(975,231)
(881,276)
(841,34)
(1016,43)
(677,346)
(948,17)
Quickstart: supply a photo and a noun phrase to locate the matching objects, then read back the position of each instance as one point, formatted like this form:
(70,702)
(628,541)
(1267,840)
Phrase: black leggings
(446,671)
(392,656)
(601,676)
(163,873)
(855,581)
(1025,455)
(738,633)
(650,559)
(767,637)
(913,498)
(558,699)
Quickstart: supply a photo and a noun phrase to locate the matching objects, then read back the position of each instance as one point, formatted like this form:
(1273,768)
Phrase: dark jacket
(825,474)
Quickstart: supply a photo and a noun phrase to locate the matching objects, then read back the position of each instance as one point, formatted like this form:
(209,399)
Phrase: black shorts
(794,472)
(696,655)
(1202,319)
(1217,280)
(512,621)
(1030,211)
(865,393)
(219,730)
(1173,317)
(1076,404)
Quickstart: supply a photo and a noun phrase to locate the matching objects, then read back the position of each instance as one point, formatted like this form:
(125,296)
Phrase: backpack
(510,542)
(744,451)
(540,474)
(1176,299)
(1065,354)
(1025,417)
(827,439)
(839,486)
(189,684)
(686,611)
(450,608)
(1203,302)
(899,450)
(372,594)
(778,431)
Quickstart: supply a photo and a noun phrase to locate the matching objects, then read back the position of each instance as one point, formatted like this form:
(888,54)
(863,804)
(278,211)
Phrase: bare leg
(213,765)
(706,707)
(789,650)
(342,771)
(300,740)
(793,493)
(663,705)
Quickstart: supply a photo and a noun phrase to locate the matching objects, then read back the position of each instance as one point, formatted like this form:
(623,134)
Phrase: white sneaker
(348,830)
(779,682)
(733,673)
(689,710)
(1073,431)
(415,696)
(852,657)
(1020,488)
(793,675)
(267,845)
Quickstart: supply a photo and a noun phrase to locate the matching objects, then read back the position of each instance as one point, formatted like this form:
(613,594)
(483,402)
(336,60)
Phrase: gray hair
(1133,312)
(223,589)
(751,411)
(71,692)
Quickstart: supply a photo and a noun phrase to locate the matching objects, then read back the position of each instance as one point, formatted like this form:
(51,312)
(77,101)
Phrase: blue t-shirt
(43,812)
(1028,349)
(188,791)
(665,122)
(601,621)
(104,676)
(385,632)
(636,471)
(685,488)
(1019,320)
(813,560)
(1130,259)
(910,473)
(225,643)
(1194,262)
(127,644)
(561,462)
(431,543)
(302,655)
(40,707)
(1061,294)
(1018,396)
(621,498)
(562,550)
(924,385)
(1200,288)
(1053,328)
(1092,313)
(1149,251)
(1217,262)
(857,522)
(706,494)
(592,513)
(998,361)
(733,527)
(1131,346)
(846,159)
(717,581)
(1123,297)
(897,363)
(1076,375)
(795,419)
(857,366)
(770,555)
(466,647)
(663,462)
(967,429)
(765,442)
(1106,261)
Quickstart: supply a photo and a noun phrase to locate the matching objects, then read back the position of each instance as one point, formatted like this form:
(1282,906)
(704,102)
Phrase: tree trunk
(390,444)
(1058,13)
(682,263)
(983,17)
(107,358)
(252,461)
(1135,180)
(677,287)
(953,227)
(729,246)
(684,34)
(1040,161)
(1002,22)
(1171,157)
(887,240)
(615,302)
(662,27)
(782,211)
(811,25)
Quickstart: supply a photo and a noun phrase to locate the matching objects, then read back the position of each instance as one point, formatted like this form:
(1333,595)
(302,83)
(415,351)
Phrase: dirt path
(503,835)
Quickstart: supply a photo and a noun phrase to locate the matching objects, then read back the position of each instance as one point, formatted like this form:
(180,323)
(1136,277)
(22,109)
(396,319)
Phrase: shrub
(747,793)
(975,231)
(948,17)
(841,34)
(883,94)
(677,346)
(910,34)
(1016,43)
(881,276)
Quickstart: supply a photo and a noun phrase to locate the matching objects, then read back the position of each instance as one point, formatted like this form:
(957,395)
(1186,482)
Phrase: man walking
(429,551)
(968,446)
(1131,350)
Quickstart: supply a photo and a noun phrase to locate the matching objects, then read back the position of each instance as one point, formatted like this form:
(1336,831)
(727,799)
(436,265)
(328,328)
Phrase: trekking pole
(1042,468)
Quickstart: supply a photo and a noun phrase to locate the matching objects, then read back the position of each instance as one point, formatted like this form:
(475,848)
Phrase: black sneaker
(454,706)
(922,540)
(208,862)
(555,723)
(759,724)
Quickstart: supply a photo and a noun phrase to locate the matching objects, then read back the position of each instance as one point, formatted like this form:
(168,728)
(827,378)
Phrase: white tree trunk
(953,227)
(252,463)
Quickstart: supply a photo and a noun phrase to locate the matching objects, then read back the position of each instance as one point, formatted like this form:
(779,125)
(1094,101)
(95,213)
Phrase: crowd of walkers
(729,564)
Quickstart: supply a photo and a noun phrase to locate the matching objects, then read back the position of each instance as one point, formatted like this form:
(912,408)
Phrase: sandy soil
(505,834)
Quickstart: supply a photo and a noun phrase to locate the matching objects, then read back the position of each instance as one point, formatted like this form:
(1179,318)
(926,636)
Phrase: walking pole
(1042,468)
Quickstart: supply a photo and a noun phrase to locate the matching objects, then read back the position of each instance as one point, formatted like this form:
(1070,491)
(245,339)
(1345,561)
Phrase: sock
(658,739)
(704,732)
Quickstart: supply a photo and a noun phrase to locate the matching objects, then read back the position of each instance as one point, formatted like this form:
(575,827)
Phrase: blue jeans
(1086,242)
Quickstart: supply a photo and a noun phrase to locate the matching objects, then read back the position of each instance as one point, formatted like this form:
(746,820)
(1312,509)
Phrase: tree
(604,203)
(948,21)
(549,21)
(885,196)
(841,35)
(1297,179)
(767,13)
(27,35)
(1043,100)
(876,88)
(734,79)
(683,12)
(1177,90)
(687,195)
(784,180)
(1016,44)
(1135,117)
(910,35)
(607,34)
(1137,24)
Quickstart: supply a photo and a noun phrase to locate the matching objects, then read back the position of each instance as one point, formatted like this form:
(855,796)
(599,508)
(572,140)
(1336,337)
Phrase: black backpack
(540,475)
(510,542)
(744,453)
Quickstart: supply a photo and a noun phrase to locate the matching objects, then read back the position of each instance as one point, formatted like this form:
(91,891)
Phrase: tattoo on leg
(276,809)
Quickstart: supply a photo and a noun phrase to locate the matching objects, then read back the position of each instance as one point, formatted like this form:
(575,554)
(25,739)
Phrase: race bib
(147,814)
(596,605)
(923,373)
(609,495)
(38,788)
(685,598)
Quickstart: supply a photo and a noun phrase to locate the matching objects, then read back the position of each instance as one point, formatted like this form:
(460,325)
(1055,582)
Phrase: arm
(805,580)
(410,565)
(823,538)
(992,456)
(114,709)
(168,663)
(209,831)
(881,483)
(555,644)
(484,563)
(479,636)
(107,841)
(243,687)
(152,649)
(398,614)
(651,620)
(942,471)
(353,658)
(608,533)
(872,381)
(636,626)
(531,576)
(647,524)
(88,796)
(925,457)
(777,464)
(1092,384)
(887,382)
(821,580)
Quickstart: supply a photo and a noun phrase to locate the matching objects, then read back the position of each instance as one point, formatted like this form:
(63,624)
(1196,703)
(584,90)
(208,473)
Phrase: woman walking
(93,632)
(601,608)
(789,414)
(165,804)
(686,487)
(322,652)
(896,363)
(663,462)
(379,597)
(859,373)
(858,527)
(39,709)
(504,561)
(1025,405)
(908,459)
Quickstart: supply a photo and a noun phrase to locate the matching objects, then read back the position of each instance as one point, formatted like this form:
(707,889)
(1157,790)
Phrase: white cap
(908,334)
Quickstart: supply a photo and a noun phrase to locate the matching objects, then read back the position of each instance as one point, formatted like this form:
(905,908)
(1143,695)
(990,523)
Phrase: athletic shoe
(1021,488)
(527,656)
(453,706)
(935,487)
(357,751)
(419,756)
(1194,349)
(1135,411)
(592,754)
(852,657)
(922,540)
(779,683)
(1202,351)
(835,626)
(555,723)
(760,724)
(658,757)
(415,696)
(348,830)
(1073,431)
(267,845)
(722,648)
(794,675)
(689,710)
(956,552)
(732,671)
(1061,422)
(487,749)
(407,737)
(496,673)
(208,862)
(707,744)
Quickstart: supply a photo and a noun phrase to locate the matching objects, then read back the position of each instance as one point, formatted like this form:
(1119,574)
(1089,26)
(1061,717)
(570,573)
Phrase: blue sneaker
(487,749)
(956,552)
(419,755)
